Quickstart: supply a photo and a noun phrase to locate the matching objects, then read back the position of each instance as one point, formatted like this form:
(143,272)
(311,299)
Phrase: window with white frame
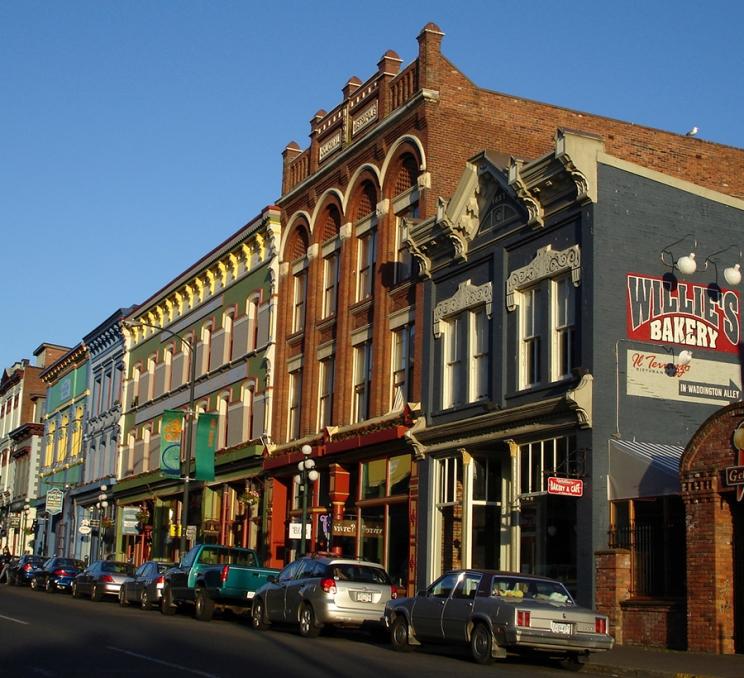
(362,380)
(295,401)
(299,300)
(545,292)
(564,328)
(330,283)
(450,476)
(453,391)
(365,264)
(531,321)
(478,381)
(540,459)
(325,395)
(486,512)
(402,365)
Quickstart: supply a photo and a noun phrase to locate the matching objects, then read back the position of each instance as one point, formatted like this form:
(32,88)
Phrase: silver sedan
(496,612)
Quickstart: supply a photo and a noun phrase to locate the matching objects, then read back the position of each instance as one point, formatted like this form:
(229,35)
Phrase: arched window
(63,434)
(77,432)
(223,423)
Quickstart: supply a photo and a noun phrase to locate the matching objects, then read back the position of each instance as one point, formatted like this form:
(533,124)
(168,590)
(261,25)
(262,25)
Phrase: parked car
(211,576)
(56,574)
(101,578)
(22,571)
(145,587)
(496,612)
(324,590)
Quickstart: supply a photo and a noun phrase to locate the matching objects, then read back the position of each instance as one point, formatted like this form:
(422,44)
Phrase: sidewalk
(627,661)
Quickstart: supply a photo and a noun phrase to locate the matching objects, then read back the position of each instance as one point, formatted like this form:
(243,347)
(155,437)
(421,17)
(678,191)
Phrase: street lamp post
(190,414)
(101,505)
(26,509)
(307,475)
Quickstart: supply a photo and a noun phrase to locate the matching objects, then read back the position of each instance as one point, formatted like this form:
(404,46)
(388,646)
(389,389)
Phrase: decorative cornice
(71,360)
(467,296)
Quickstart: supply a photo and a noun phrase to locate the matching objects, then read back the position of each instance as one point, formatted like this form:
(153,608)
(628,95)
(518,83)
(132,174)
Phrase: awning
(639,469)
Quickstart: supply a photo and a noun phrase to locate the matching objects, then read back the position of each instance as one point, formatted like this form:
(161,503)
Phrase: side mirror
(271,579)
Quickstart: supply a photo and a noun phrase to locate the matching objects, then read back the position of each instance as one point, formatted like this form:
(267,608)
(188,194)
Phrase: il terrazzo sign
(686,314)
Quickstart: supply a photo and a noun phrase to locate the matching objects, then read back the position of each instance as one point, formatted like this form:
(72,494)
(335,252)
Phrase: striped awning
(639,469)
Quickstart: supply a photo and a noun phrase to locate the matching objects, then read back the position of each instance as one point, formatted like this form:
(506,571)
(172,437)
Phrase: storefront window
(400,474)
(372,542)
(373,479)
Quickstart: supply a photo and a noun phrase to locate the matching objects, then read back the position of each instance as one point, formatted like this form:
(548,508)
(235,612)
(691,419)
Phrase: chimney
(430,50)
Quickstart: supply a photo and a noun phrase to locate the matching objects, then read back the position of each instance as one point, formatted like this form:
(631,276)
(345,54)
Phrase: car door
(293,597)
(459,608)
(133,588)
(178,577)
(276,591)
(428,608)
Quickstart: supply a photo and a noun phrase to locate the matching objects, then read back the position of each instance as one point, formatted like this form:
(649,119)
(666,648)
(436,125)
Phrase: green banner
(171,429)
(206,444)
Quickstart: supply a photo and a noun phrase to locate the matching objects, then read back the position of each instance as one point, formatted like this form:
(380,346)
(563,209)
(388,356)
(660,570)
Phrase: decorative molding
(365,118)
(546,264)
(467,296)
(579,399)
(423,261)
(530,202)
(328,147)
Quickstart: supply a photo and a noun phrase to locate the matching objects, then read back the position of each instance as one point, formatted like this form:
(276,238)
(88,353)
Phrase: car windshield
(162,567)
(365,574)
(223,556)
(113,566)
(69,563)
(516,588)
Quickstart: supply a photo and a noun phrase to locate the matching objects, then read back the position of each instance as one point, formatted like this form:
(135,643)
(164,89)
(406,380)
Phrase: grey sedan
(493,612)
(101,578)
(145,587)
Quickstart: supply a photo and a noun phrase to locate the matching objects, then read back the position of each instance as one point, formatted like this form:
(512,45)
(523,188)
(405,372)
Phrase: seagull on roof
(693,131)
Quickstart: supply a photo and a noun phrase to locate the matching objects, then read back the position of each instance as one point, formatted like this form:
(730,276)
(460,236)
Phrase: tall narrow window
(300,295)
(222,429)
(531,317)
(325,399)
(478,385)
(365,265)
(295,400)
(227,340)
(330,284)
(564,328)
(252,312)
(454,377)
(402,365)
(63,436)
(362,380)
(403,260)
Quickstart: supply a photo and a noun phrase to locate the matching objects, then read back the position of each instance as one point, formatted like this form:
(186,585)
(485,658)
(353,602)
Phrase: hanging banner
(206,443)
(171,429)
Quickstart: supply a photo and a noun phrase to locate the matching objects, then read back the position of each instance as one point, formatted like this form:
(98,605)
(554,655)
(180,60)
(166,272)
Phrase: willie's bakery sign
(684,313)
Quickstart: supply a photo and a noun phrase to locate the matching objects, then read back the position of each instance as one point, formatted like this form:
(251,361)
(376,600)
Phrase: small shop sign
(566,487)
(54,499)
(295,530)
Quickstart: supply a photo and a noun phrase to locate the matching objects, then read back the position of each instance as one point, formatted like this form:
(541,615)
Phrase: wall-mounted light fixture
(731,274)
(685,264)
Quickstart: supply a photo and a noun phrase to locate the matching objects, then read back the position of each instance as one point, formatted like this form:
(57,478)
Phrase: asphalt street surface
(51,635)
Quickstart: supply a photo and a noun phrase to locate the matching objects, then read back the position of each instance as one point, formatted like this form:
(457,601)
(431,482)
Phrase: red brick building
(350,365)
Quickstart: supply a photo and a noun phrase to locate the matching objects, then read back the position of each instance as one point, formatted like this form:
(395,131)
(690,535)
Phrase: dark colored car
(499,612)
(101,578)
(56,574)
(22,571)
(145,587)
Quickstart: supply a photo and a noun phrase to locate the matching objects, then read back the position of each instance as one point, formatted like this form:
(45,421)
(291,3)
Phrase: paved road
(50,636)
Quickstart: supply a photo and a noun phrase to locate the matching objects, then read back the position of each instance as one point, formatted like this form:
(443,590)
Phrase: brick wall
(652,623)
(613,587)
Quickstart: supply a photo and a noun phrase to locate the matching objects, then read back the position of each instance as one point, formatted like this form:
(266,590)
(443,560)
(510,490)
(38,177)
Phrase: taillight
(27,567)
(59,573)
(107,578)
(160,580)
(600,625)
(328,585)
(523,618)
(393,591)
(223,574)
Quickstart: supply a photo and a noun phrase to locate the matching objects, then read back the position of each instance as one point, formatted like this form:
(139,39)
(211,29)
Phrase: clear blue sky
(135,136)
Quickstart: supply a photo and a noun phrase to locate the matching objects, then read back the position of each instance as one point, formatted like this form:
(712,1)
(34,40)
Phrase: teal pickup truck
(211,576)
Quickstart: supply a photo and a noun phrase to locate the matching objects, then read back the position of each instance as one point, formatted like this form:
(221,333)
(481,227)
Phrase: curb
(629,672)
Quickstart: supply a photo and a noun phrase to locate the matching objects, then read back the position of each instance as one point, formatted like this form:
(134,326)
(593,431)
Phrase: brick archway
(715,618)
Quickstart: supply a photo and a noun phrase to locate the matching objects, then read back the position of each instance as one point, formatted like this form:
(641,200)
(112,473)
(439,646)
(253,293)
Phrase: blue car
(22,572)
(56,574)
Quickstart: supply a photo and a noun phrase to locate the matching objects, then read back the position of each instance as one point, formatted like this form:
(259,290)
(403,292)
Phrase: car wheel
(145,600)
(34,585)
(399,634)
(203,605)
(258,615)
(49,587)
(168,607)
(481,644)
(96,595)
(123,598)
(573,662)
(308,626)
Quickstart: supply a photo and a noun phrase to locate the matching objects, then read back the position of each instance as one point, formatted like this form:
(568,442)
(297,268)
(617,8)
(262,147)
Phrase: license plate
(364,597)
(560,627)
(250,594)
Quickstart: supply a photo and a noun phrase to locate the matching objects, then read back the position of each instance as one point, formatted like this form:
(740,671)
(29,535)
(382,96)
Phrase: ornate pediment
(467,296)
(546,264)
